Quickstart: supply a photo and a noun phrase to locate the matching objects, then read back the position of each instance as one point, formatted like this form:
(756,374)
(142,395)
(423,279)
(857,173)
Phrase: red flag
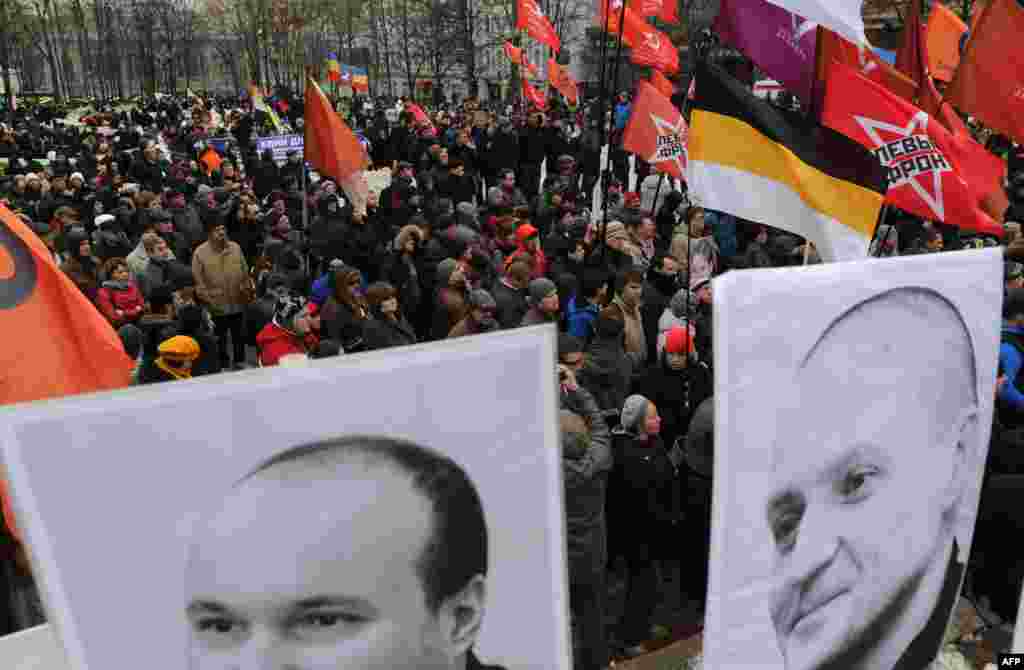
(655,49)
(531,19)
(330,145)
(666,10)
(912,145)
(943,37)
(417,112)
(633,27)
(662,83)
(515,54)
(908,57)
(535,97)
(832,47)
(988,84)
(656,132)
(560,79)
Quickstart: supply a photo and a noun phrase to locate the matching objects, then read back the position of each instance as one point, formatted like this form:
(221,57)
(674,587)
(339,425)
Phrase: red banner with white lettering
(916,149)
(656,132)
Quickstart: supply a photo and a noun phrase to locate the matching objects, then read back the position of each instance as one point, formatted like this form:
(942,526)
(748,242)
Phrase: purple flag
(780,43)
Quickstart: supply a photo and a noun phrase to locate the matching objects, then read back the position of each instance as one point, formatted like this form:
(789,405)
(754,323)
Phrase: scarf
(177,373)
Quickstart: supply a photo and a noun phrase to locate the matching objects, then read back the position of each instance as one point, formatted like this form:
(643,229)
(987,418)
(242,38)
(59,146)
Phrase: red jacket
(275,343)
(129,301)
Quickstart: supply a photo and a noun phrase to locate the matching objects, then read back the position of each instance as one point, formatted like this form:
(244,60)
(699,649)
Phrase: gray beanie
(444,271)
(541,288)
(678,303)
(481,299)
(634,410)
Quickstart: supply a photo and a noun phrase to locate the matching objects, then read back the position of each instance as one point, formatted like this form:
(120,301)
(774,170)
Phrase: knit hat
(131,339)
(678,303)
(634,410)
(481,299)
(678,341)
(615,230)
(632,199)
(104,219)
(541,288)
(1012,270)
(525,232)
(179,348)
(77,175)
(445,269)
(336,264)
(698,282)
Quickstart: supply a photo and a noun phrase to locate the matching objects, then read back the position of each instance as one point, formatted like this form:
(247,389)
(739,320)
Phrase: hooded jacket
(540,261)
(274,343)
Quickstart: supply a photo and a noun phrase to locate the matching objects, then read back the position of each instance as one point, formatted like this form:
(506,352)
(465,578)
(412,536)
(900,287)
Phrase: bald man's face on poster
(853,403)
(869,476)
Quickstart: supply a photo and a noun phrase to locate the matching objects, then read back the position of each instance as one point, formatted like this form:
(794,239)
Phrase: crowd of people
(490,222)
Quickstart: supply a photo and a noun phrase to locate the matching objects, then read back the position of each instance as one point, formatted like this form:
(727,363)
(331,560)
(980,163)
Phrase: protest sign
(189,480)
(280,145)
(846,495)
(33,649)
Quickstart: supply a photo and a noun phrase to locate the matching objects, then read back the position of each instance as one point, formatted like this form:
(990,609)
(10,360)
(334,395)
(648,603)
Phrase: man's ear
(965,437)
(462,615)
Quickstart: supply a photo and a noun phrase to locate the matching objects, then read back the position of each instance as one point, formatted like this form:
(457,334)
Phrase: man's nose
(815,546)
(264,650)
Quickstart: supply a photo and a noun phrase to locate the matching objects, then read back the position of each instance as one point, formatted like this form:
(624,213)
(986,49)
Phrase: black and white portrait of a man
(870,436)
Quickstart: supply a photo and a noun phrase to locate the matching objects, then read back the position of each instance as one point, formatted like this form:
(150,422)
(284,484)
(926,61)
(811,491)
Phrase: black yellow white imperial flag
(755,161)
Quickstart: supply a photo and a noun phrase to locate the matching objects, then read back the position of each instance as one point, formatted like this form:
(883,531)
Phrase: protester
(220,271)
(387,325)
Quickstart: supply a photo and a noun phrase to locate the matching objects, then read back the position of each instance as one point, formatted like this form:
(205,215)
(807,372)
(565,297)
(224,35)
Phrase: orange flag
(330,145)
(987,84)
(662,83)
(56,342)
(943,36)
(562,82)
(212,160)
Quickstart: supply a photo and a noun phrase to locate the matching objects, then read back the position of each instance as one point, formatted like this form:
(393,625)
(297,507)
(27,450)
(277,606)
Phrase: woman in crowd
(387,326)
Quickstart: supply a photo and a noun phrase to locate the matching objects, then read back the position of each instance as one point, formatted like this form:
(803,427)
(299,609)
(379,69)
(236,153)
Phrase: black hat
(1012,270)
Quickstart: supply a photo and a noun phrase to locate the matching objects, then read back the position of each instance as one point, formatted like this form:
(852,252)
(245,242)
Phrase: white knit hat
(634,410)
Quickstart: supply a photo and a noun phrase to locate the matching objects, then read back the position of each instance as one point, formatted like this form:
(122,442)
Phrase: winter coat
(657,292)
(511,304)
(450,306)
(275,343)
(580,316)
(535,317)
(586,473)
(342,324)
(84,275)
(112,298)
(381,333)
(676,394)
(635,342)
(163,277)
(607,372)
(219,275)
(647,495)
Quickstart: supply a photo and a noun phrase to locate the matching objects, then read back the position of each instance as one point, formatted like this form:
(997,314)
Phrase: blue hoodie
(581,320)
(1011,360)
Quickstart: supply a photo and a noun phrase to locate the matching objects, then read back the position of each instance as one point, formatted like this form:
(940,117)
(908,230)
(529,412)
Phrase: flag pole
(878,228)
(657,191)
(606,173)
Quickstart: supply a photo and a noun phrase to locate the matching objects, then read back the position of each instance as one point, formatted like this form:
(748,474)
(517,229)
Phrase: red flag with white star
(656,132)
(916,149)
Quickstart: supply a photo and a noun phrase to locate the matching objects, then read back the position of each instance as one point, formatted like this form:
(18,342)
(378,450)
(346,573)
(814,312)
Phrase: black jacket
(381,333)
(645,495)
(676,394)
(511,304)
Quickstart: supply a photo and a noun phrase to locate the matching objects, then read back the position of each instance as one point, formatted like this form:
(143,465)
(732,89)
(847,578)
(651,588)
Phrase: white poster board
(33,649)
(853,410)
(140,503)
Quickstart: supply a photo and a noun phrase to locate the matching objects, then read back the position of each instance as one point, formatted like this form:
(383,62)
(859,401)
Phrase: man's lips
(811,604)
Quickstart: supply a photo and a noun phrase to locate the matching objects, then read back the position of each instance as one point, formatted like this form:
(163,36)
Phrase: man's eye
(856,485)
(320,621)
(785,529)
(220,626)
